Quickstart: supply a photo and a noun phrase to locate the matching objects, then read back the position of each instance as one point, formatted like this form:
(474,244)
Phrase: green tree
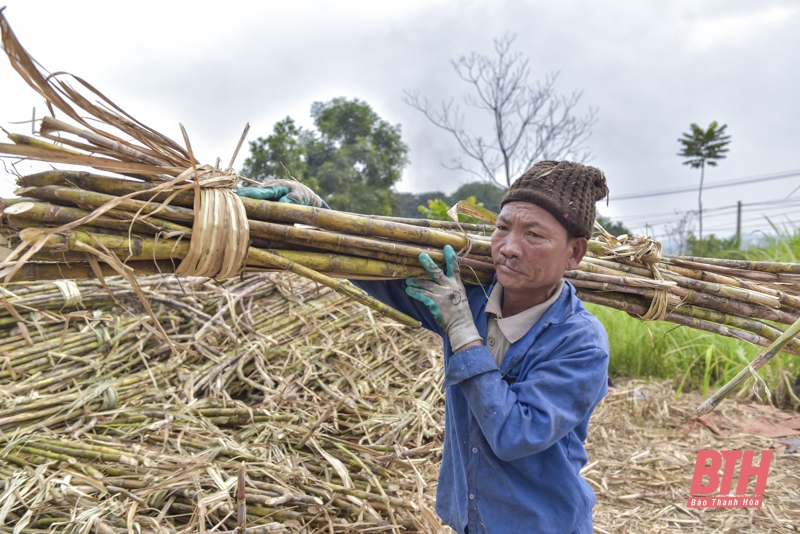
(701,148)
(352,158)
(283,151)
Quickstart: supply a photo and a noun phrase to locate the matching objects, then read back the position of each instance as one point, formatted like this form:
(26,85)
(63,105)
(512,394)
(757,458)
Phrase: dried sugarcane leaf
(473,210)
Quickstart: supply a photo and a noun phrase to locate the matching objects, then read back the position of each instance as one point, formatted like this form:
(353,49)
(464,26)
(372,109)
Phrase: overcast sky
(651,69)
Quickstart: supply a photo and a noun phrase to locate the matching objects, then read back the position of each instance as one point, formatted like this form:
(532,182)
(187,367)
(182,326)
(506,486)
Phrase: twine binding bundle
(640,250)
(70,291)
(220,231)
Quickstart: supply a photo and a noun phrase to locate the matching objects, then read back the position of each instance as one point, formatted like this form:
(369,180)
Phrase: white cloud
(710,32)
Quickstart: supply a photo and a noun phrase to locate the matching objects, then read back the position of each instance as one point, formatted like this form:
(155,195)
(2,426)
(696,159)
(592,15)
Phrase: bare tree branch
(530,120)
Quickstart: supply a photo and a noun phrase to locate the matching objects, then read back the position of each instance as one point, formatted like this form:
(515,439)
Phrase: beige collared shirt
(502,332)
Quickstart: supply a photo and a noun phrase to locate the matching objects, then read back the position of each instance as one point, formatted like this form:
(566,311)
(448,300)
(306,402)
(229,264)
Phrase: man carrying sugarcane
(525,363)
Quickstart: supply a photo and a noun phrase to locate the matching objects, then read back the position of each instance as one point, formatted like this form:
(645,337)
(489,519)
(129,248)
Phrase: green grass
(784,245)
(692,359)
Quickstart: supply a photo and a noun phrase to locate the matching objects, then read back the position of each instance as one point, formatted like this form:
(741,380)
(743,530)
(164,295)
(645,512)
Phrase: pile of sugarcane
(152,213)
(333,417)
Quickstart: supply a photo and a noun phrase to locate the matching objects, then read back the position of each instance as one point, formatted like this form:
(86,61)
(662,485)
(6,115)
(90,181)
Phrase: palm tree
(704,147)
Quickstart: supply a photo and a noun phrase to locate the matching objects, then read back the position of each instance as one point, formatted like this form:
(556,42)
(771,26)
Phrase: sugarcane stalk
(23,361)
(638,310)
(750,370)
(56,155)
(84,454)
(484,229)
(742,323)
(35,142)
(142,248)
(107,454)
(258,210)
(615,269)
(343,242)
(590,279)
(270,212)
(130,153)
(764,266)
(118,187)
(80,197)
(138,247)
(53,214)
(597,285)
(394,501)
(60,140)
(349,223)
(756,275)
(33,272)
(728,281)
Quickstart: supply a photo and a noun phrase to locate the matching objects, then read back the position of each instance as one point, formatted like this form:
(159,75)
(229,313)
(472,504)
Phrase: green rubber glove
(290,191)
(446,297)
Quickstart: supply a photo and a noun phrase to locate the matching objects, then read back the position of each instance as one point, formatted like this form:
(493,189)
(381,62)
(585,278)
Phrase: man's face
(530,249)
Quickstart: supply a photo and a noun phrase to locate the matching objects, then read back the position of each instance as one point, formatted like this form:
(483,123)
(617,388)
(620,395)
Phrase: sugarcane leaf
(337,465)
(473,210)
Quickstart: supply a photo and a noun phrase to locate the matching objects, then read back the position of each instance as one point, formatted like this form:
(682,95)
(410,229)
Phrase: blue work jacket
(513,444)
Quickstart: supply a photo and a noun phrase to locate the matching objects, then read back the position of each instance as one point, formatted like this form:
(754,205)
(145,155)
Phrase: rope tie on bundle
(110,398)
(70,291)
(220,232)
(643,250)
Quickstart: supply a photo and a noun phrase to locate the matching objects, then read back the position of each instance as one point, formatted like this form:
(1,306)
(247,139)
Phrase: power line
(754,223)
(765,205)
(712,185)
(777,219)
(726,213)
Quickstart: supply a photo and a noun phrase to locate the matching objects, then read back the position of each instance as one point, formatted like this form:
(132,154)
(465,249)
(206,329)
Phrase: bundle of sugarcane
(741,300)
(180,210)
(336,416)
(167,213)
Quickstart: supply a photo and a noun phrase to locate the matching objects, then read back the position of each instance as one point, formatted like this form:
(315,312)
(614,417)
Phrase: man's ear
(577,246)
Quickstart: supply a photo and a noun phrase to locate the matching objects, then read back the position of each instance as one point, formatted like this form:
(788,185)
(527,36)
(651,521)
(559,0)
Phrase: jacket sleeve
(393,293)
(544,405)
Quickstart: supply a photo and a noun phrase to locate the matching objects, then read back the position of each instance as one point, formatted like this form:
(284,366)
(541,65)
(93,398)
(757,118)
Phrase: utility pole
(739,223)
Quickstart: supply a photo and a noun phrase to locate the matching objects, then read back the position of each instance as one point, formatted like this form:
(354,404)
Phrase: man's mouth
(506,268)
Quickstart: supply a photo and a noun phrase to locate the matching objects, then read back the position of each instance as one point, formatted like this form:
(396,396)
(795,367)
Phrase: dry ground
(101,425)
(643,445)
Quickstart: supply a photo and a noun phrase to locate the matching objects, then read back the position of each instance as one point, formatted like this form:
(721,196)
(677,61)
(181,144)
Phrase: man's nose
(510,246)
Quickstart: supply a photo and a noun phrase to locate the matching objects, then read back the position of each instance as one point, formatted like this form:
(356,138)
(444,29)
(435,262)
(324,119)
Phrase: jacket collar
(561,310)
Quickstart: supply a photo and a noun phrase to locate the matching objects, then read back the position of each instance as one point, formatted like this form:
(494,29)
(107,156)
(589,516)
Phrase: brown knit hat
(566,189)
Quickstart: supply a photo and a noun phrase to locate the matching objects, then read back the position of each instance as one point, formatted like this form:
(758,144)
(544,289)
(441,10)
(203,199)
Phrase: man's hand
(290,191)
(446,297)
